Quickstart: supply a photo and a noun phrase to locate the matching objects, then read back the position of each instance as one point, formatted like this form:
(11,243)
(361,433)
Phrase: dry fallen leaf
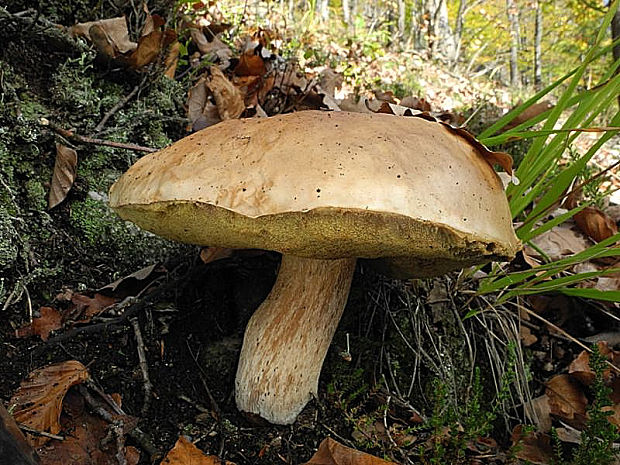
(530,112)
(559,242)
(567,400)
(172,59)
(580,367)
(250,64)
(134,282)
(532,446)
(50,320)
(415,103)
(186,453)
(538,410)
(526,336)
(333,453)
(88,307)
(88,439)
(114,30)
(65,170)
(149,47)
(227,97)
(38,400)
(214,47)
(201,112)
(595,223)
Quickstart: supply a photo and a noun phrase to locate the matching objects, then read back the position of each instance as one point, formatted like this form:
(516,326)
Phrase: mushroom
(323,189)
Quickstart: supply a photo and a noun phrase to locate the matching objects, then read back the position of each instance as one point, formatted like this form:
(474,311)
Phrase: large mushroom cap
(326,185)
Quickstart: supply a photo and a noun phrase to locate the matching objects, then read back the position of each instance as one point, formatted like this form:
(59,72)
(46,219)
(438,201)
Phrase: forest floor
(187,310)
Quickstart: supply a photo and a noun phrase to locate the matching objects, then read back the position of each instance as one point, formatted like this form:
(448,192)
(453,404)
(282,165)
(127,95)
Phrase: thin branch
(118,106)
(89,140)
(144,366)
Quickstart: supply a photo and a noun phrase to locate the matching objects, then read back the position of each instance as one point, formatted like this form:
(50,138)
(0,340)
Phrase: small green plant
(453,429)
(599,435)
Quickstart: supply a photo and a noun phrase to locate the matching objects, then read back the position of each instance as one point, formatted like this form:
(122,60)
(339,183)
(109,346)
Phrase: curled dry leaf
(567,400)
(134,282)
(214,47)
(185,453)
(149,47)
(172,60)
(38,400)
(65,170)
(595,223)
(333,453)
(532,446)
(228,99)
(112,33)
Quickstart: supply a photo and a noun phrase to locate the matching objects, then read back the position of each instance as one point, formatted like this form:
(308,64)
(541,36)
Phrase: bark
(513,19)
(440,36)
(401,20)
(288,336)
(458,29)
(346,12)
(537,46)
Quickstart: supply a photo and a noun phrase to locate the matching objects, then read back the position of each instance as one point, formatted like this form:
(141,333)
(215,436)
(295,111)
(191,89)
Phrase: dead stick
(117,107)
(120,444)
(89,140)
(144,366)
(137,434)
(203,378)
(36,432)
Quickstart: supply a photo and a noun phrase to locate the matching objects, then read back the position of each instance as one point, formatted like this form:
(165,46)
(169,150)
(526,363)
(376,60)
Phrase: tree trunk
(440,37)
(458,30)
(291,10)
(324,10)
(401,20)
(513,19)
(346,12)
(537,46)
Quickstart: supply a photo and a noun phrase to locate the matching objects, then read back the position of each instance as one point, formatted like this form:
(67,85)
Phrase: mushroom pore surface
(326,185)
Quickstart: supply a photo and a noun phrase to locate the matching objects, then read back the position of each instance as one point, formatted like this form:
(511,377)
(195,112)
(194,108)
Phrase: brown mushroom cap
(326,185)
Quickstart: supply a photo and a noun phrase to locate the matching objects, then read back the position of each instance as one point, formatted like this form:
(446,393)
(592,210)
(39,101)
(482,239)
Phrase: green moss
(8,240)
(36,195)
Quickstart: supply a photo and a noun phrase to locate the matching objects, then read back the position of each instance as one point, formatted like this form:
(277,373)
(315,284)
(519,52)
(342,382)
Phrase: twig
(144,366)
(131,305)
(120,444)
(89,140)
(118,106)
(36,432)
(136,433)
(203,378)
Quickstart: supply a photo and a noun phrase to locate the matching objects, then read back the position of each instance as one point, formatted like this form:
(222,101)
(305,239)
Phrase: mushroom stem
(288,336)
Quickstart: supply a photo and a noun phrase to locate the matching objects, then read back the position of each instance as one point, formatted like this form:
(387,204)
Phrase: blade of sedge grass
(597,294)
(532,158)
